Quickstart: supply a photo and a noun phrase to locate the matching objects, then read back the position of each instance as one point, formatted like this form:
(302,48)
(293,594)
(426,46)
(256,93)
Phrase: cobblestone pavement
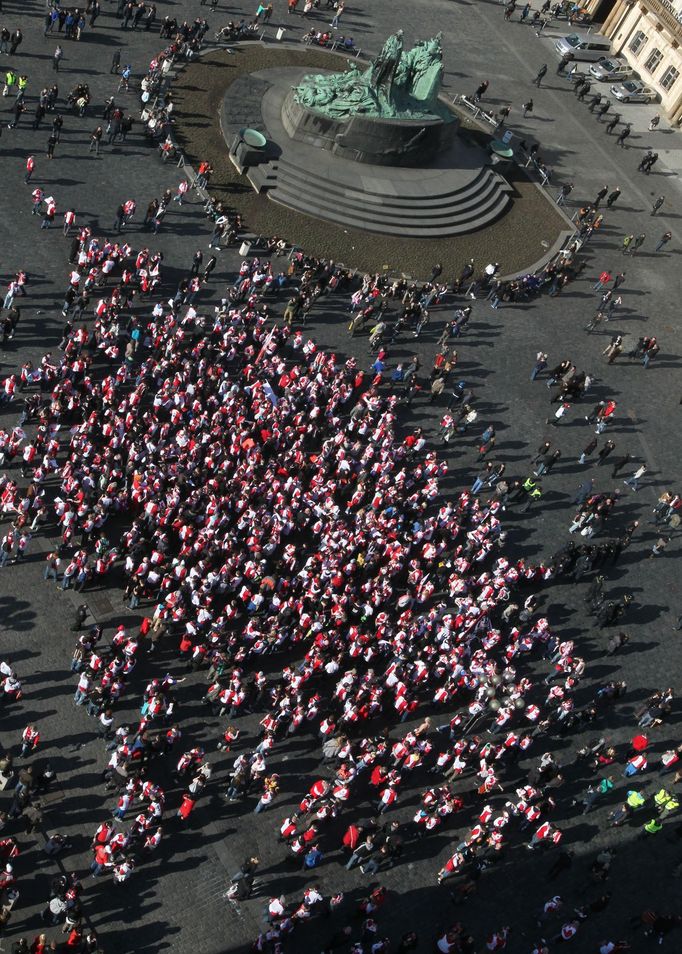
(175,902)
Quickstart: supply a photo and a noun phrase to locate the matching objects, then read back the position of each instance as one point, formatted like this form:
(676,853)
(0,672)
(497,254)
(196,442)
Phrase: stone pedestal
(379,142)
(250,148)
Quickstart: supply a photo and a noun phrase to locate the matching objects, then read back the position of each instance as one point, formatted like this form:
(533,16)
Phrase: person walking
(51,143)
(614,348)
(663,241)
(659,547)
(19,108)
(603,280)
(604,107)
(563,63)
(527,108)
(38,116)
(603,192)
(650,351)
(637,244)
(582,88)
(633,481)
(15,42)
(564,193)
(30,166)
(125,78)
(95,140)
(69,221)
(612,123)
(57,58)
(540,75)
(585,490)
(613,197)
(480,91)
(49,214)
(588,450)
(120,217)
(607,449)
(657,204)
(594,321)
(650,163)
(197,260)
(502,116)
(30,739)
(594,102)
(646,158)
(539,366)
(183,187)
(57,124)
(340,7)
(624,135)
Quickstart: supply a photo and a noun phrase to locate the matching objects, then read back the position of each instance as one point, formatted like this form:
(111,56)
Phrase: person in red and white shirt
(387,797)
(153,841)
(69,220)
(30,738)
(182,190)
(568,931)
(498,940)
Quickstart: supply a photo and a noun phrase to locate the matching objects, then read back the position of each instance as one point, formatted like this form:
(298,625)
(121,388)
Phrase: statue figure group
(397,84)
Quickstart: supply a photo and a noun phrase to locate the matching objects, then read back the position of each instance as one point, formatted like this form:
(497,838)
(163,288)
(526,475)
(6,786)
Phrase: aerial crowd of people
(280,526)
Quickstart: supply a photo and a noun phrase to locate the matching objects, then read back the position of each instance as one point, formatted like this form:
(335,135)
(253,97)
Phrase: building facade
(648,34)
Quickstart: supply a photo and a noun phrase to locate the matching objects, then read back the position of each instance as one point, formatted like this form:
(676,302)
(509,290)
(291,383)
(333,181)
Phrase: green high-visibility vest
(10,78)
(661,797)
(635,800)
(653,826)
(528,484)
(22,82)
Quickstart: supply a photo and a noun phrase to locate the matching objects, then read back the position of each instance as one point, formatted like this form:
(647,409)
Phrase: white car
(633,91)
(612,70)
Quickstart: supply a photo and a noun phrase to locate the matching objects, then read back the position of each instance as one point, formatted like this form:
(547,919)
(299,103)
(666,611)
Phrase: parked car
(613,70)
(633,91)
(584,46)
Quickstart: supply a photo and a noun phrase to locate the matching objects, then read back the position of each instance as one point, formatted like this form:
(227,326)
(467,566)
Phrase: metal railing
(478,111)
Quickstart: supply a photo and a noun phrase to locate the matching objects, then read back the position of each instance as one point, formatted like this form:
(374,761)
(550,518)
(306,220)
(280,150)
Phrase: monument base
(380,142)
(457,192)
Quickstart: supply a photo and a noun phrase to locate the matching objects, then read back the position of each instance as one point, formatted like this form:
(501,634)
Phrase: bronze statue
(398,84)
(384,67)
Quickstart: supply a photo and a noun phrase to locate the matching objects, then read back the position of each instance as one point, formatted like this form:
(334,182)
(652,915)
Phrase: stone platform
(458,193)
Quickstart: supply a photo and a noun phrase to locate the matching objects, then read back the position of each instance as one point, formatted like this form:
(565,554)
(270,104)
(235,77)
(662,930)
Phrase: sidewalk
(665,140)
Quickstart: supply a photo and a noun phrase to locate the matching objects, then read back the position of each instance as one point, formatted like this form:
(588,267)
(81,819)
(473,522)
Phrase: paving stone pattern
(174,903)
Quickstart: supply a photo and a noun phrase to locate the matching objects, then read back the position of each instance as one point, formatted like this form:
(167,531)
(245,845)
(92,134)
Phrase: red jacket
(352,837)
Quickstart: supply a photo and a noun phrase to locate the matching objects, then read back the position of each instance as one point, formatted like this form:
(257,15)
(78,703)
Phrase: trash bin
(244,248)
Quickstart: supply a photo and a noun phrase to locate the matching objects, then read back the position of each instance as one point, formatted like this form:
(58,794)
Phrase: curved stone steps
(388,203)
(404,228)
(462,210)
